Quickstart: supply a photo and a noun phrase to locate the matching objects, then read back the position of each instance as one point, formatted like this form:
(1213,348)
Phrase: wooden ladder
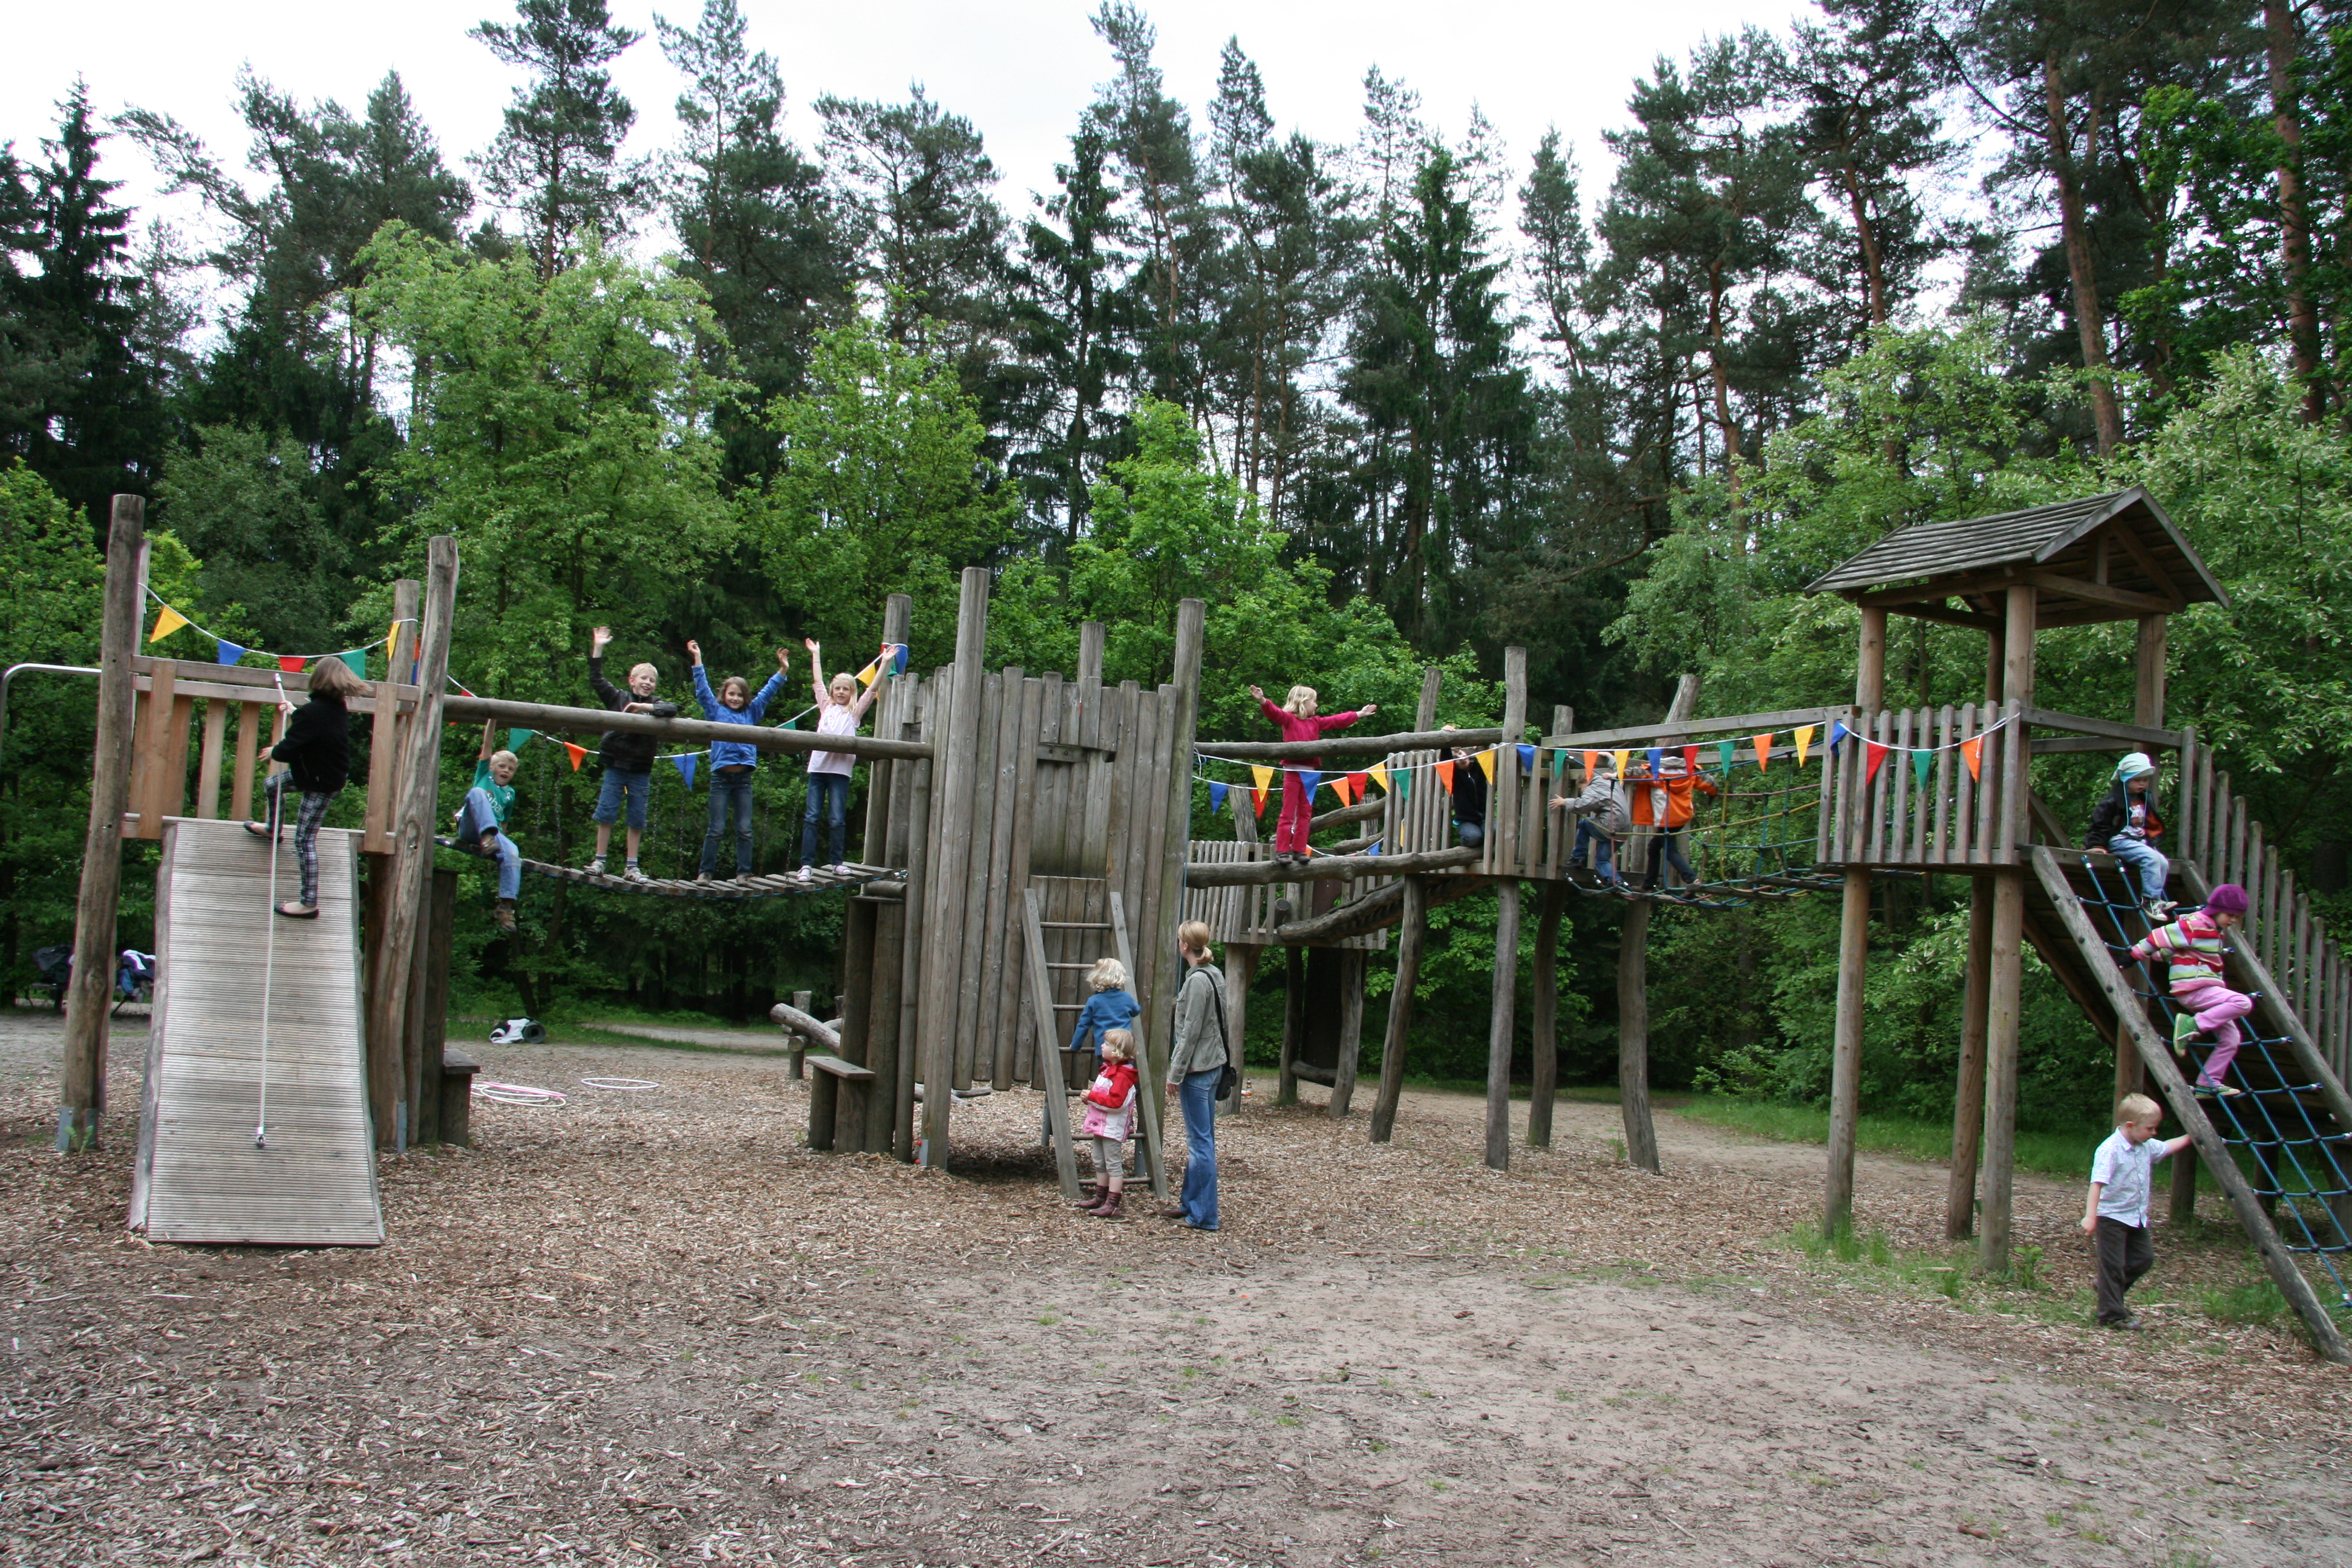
(1050,1040)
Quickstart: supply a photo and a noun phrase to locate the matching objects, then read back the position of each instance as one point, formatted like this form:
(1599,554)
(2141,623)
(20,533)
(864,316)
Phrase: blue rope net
(2278,1126)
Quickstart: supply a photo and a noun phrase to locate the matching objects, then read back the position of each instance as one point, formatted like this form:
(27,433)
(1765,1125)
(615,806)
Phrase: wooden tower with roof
(2106,558)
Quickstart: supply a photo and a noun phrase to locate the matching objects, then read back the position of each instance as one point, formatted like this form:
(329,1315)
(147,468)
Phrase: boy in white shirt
(2116,1217)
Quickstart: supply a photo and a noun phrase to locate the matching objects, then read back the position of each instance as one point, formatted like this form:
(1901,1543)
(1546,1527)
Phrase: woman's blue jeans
(730,792)
(828,793)
(1198,1094)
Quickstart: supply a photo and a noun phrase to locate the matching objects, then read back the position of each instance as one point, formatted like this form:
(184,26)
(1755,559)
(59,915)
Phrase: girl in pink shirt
(1297,721)
(839,705)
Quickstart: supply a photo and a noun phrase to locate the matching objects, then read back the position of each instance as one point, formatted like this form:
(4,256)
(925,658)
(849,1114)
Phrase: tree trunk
(2089,320)
(2294,222)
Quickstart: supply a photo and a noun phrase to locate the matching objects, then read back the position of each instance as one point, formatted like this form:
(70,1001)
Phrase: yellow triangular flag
(1620,757)
(1486,765)
(1804,739)
(1264,778)
(870,674)
(1763,744)
(170,621)
(1382,774)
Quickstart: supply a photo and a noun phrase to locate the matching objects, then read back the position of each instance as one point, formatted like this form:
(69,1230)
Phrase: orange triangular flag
(1591,764)
(1804,739)
(1486,765)
(578,754)
(1973,749)
(1339,782)
(1763,744)
(1445,775)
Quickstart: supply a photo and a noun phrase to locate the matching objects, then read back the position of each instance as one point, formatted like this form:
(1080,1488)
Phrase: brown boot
(1089,1195)
(503,915)
(1108,1207)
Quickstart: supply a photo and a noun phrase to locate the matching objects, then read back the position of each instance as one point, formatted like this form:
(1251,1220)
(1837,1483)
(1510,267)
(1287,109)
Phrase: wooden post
(1294,1023)
(1091,637)
(1241,973)
(81,1101)
(412,856)
(1158,947)
(1424,715)
(383,752)
(1634,994)
(957,767)
(1853,953)
(431,1013)
(2003,1011)
(1502,823)
(1351,1031)
(2147,709)
(1544,1077)
(1967,1100)
(914,921)
(1408,974)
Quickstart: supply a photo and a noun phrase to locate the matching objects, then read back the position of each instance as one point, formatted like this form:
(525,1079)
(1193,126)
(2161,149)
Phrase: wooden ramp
(199,1176)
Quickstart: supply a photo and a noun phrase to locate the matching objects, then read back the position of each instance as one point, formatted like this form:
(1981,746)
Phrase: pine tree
(556,163)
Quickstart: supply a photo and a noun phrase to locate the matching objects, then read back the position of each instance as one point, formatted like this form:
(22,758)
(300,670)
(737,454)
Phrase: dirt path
(646,1327)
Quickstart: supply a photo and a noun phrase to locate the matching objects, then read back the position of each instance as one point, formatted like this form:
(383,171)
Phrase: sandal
(294,911)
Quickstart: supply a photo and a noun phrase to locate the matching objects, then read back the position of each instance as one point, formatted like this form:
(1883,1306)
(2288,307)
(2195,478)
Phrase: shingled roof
(2115,556)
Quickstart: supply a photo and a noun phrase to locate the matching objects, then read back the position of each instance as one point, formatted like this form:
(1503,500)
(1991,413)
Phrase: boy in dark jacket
(2125,824)
(628,759)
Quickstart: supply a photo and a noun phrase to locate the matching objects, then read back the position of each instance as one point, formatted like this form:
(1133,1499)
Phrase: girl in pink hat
(2193,948)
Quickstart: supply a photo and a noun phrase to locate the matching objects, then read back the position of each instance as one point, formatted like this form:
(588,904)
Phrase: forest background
(1398,402)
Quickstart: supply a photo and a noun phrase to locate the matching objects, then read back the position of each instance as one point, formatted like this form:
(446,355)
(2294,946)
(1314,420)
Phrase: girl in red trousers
(1110,1112)
(1297,721)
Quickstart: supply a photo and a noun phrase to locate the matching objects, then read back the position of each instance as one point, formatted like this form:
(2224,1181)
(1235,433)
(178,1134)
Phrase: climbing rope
(2302,1173)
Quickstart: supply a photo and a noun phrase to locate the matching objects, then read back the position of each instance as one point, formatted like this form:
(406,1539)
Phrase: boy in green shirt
(481,824)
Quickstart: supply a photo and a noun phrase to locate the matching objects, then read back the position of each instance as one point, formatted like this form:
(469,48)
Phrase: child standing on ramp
(1297,721)
(731,762)
(839,707)
(628,759)
(2116,1215)
(2193,948)
(1110,1115)
(317,752)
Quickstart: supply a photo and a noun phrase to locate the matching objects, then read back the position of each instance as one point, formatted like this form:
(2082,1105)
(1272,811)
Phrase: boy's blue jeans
(730,792)
(1198,1094)
(1604,853)
(479,817)
(2147,862)
(830,794)
(622,790)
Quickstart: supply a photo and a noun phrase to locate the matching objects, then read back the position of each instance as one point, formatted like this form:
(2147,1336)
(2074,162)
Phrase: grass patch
(2061,1154)
(2254,1302)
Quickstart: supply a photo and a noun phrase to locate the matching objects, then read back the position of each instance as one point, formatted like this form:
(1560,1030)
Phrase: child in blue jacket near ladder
(731,762)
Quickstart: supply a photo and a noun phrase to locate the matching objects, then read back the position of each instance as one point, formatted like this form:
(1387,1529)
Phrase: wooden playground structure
(1019,826)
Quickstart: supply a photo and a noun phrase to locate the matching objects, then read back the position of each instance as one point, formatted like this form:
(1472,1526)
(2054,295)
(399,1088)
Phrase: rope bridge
(2302,1172)
(1747,845)
(818,881)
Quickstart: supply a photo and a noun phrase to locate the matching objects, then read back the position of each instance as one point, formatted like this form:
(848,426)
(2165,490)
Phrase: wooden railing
(181,702)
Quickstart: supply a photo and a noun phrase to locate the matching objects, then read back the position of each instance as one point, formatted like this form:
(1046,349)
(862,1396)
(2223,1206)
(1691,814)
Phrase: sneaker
(801,875)
(2216,1091)
(702,877)
(2184,1029)
(630,874)
(2157,910)
(595,867)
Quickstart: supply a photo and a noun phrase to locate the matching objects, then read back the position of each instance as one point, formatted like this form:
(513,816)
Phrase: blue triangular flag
(1657,760)
(1527,759)
(1375,848)
(229,653)
(1217,795)
(899,664)
(685,768)
(1838,731)
(1310,780)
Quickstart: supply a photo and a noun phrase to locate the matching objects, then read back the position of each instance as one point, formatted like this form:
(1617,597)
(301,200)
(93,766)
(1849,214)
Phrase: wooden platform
(199,1178)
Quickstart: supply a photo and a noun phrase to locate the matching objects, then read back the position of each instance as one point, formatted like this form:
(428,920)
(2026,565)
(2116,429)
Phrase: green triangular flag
(1403,777)
(1920,763)
(518,738)
(1725,747)
(356,659)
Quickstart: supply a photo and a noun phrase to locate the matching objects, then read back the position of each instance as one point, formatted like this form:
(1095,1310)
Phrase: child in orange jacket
(1664,802)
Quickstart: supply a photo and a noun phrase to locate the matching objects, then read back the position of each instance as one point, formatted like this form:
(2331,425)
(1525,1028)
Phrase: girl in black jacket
(317,752)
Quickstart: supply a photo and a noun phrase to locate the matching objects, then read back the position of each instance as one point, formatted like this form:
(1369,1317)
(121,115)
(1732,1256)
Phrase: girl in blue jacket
(731,762)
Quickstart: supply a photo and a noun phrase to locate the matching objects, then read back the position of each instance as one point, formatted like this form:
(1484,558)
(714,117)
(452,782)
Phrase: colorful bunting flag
(578,753)
(1487,763)
(291,663)
(1309,780)
(1838,731)
(1527,760)
(898,664)
(226,651)
(1725,749)
(355,660)
(518,738)
(870,674)
(1340,787)
(685,767)
(1875,754)
(1217,793)
(169,621)
(1972,752)
(1380,773)
(1920,763)
(1356,783)
(1804,739)
(1657,760)
(1264,781)
(1404,785)
(1690,759)
(1763,744)
(1446,774)
(1591,764)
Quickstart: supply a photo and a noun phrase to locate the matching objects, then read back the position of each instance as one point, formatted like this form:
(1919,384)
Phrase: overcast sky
(1021,70)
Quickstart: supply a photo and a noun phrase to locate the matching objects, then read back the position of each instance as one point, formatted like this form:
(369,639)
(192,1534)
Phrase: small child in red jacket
(1110,1115)
(1297,721)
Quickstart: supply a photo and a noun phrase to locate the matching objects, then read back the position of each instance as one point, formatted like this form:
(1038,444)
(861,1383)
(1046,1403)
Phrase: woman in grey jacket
(1194,1062)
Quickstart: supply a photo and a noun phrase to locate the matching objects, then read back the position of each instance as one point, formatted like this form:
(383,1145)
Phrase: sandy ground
(648,1328)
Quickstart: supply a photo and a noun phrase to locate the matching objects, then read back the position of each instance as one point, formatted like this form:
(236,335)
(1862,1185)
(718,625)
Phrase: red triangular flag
(1877,753)
(291,663)
(1973,749)
(1261,802)
(1445,775)
(1690,761)
(578,754)
(1357,784)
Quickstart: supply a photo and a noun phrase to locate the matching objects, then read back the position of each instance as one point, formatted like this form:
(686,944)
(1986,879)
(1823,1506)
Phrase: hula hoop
(624,1083)
(518,1094)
